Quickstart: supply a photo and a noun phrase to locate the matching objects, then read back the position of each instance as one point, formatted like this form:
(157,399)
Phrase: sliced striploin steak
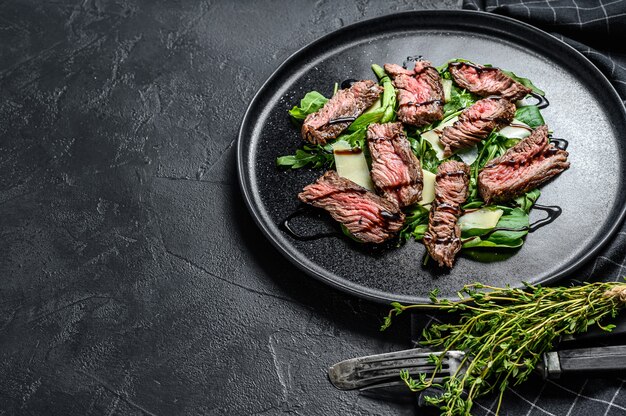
(396,172)
(340,111)
(530,163)
(420,93)
(368,217)
(443,237)
(476,122)
(486,81)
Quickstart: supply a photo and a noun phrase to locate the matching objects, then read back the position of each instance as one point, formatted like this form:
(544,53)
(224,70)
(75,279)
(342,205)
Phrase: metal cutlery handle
(588,362)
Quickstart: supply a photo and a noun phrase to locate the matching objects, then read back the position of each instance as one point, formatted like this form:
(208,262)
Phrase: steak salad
(451,156)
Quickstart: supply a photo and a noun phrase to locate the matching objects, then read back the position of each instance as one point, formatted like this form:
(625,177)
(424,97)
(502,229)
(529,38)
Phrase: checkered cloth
(596,28)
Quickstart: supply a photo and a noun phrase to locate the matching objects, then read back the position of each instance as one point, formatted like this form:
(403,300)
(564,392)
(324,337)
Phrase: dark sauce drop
(542,102)
(560,144)
(410,59)
(286,226)
(348,83)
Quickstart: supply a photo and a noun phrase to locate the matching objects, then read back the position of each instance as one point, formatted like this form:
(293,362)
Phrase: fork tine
(359,372)
(392,388)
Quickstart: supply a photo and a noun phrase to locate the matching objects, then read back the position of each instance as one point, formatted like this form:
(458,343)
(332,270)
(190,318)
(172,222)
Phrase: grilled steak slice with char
(340,111)
(443,237)
(396,172)
(368,217)
(486,81)
(476,122)
(420,93)
(530,163)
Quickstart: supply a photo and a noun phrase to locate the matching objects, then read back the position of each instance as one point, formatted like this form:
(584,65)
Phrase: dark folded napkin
(596,28)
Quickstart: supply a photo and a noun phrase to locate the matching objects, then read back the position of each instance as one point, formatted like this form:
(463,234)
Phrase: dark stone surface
(132,279)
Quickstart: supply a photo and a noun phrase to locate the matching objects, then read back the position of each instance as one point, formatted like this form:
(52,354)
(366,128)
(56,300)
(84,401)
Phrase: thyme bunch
(504,332)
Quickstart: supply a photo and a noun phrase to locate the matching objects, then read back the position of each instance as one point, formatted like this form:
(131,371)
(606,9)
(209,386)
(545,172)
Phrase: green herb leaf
(511,228)
(527,200)
(459,100)
(530,115)
(415,224)
(524,81)
(313,156)
(311,103)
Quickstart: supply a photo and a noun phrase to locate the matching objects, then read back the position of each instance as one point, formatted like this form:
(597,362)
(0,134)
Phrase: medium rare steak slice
(530,163)
(486,81)
(396,172)
(476,122)
(420,93)
(443,237)
(367,216)
(340,111)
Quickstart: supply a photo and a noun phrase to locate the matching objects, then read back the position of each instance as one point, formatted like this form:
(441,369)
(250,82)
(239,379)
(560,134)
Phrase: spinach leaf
(315,156)
(311,103)
(524,81)
(514,223)
(530,114)
(527,200)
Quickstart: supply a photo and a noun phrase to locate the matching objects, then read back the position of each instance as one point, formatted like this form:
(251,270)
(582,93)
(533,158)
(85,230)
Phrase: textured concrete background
(132,279)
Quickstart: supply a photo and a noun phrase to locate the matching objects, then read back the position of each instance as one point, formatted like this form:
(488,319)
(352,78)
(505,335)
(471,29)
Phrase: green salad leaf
(509,232)
(527,200)
(425,153)
(524,81)
(530,114)
(311,103)
(459,99)
(314,156)
(416,222)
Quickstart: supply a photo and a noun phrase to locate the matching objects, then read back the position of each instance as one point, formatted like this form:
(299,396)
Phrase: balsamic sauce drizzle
(304,210)
(553,212)
(560,144)
(542,102)
(341,120)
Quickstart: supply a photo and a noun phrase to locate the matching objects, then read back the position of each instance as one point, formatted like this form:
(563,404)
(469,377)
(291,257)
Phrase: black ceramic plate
(584,109)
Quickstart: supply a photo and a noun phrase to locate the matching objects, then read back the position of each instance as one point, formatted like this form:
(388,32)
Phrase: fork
(382,370)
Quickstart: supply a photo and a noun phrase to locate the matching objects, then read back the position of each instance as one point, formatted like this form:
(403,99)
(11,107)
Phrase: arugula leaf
(416,223)
(495,145)
(530,114)
(311,103)
(356,139)
(425,153)
(524,81)
(315,156)
(459,100)
(366,119)
(383,110)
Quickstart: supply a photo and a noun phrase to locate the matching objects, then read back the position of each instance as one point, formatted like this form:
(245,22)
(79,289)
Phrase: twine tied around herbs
(617,292)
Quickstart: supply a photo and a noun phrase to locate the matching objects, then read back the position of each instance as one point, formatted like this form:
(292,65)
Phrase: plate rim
(359,290)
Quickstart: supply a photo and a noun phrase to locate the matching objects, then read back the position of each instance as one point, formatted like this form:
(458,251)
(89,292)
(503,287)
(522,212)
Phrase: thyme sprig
(504,332)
